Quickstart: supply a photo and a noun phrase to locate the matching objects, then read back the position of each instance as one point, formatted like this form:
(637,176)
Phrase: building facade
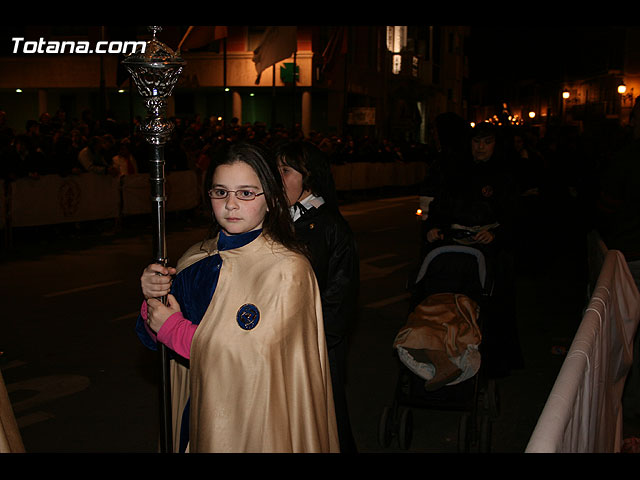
(589,76)
(377,81)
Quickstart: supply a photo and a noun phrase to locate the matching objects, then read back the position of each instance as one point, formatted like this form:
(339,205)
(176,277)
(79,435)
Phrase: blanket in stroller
(440,340)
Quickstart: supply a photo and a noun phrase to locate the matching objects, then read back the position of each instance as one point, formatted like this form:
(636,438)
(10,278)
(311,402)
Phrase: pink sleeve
(143,314)
(177,334)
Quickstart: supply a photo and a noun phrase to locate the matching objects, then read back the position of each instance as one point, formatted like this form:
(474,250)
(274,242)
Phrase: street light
(626,95)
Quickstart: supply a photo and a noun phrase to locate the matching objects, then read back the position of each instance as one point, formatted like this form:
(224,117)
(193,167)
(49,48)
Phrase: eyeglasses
(246,195)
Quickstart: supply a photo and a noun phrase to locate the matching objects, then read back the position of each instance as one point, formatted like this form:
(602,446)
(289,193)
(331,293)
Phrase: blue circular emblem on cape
(248,316)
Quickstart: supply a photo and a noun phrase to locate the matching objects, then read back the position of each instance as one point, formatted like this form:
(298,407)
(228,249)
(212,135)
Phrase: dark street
(522,141)
(80,381)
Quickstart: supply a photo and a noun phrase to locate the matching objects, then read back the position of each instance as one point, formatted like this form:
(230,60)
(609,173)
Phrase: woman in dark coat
(480,194)
(318,223)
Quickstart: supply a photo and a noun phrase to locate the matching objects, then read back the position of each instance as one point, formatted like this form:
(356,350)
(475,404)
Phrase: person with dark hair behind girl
(245,321)
(318,223)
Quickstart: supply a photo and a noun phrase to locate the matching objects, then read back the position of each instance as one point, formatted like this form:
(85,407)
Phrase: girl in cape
(244,318)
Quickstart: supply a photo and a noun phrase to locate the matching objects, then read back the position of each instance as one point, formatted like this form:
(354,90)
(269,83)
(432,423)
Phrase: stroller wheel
(464,433)
(385,427)
(485,434)
(489,400)
(493,399)
(405,433)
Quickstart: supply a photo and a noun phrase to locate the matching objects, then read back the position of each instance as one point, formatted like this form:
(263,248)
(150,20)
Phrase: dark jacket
(617,215)
(334,258)
(476,194)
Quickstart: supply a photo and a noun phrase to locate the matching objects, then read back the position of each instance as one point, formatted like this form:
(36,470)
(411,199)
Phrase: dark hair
(314,167)
(484,129)
(277,224)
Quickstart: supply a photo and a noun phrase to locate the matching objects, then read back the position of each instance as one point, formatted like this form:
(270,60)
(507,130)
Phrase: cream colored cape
(10,438)
(266,389)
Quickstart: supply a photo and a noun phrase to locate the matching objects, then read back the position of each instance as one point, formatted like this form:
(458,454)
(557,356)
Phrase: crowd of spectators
(56,144)
(562,165)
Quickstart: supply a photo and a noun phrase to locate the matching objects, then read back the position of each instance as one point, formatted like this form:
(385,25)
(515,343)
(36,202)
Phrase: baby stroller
(439,349)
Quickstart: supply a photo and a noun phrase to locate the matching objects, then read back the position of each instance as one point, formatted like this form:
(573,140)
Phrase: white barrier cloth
(182,191)
(583,413)
(52,199)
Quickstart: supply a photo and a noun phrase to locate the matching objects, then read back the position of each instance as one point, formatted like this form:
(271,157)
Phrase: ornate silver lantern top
(155,72)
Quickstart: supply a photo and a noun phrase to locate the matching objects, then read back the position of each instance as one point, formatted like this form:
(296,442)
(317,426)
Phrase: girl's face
(292,180)
(232,214)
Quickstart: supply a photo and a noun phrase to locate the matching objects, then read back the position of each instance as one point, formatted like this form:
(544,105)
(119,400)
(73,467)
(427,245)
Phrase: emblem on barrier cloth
(69,197)
(248,316)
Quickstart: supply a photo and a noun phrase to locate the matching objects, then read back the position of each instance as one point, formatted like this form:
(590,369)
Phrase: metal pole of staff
(156,71)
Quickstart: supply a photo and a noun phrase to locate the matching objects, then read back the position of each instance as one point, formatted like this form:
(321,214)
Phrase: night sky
(542,53)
